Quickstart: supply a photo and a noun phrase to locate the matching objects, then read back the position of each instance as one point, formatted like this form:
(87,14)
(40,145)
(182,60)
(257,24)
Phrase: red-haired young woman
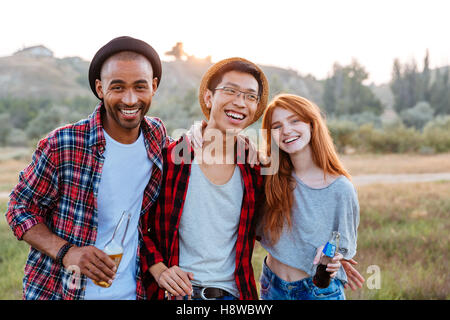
(307,198)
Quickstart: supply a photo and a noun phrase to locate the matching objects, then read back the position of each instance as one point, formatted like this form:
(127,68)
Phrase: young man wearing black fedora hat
(83,176)
(199,234)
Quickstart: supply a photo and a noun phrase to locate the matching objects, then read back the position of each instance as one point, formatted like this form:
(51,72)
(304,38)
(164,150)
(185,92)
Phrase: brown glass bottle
(322,277)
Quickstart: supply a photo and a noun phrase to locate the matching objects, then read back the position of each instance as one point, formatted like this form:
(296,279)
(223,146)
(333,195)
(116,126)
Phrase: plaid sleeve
(161,130)
(149,252)
(34,196)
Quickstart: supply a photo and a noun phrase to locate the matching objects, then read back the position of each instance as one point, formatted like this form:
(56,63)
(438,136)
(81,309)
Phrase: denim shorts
(275,288)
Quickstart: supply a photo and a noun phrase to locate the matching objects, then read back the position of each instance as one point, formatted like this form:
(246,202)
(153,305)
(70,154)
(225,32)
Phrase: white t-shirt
(209,229)
(125,174)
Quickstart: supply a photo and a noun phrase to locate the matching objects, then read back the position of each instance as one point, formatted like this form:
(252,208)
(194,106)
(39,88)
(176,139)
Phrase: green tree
(440,92)
(405,85)
(424,94)
(345,93)
(409,86)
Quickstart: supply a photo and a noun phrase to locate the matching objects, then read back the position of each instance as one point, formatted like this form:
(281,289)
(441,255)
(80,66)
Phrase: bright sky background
(307,36)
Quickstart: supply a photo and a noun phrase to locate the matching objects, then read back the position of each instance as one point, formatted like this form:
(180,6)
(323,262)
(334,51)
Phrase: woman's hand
(195,134)
(355,279)
(253,153)
(195,137)
(333,266)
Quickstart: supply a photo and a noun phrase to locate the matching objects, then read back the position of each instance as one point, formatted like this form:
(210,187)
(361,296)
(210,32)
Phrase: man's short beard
(138,105)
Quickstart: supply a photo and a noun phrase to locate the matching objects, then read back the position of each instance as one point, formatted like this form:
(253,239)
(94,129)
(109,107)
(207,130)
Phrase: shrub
(437,134)
(396,139)
(17,138)
(418,115)
(342,133)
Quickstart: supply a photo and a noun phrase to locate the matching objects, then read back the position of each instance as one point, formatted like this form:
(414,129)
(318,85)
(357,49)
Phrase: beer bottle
(114,247)
(322,277)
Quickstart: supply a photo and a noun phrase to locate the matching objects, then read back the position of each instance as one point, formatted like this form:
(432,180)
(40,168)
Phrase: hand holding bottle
(333,264)
(328,259)
(93,262)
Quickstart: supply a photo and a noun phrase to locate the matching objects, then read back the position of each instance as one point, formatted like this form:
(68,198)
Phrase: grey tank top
(316,213)
(209,228)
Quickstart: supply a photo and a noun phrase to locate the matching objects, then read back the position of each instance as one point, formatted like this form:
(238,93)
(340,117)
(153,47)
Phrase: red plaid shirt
(160,225)
(60,187)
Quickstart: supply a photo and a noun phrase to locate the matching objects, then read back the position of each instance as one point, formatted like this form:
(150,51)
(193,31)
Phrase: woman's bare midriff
(285,272)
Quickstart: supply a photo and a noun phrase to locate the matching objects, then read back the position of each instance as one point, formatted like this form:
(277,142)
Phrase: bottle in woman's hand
(322,277)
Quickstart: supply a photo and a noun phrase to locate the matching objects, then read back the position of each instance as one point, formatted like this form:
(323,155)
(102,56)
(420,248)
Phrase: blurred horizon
(302,36)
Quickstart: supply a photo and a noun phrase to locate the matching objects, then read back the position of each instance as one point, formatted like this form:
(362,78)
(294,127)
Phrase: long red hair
(279,186)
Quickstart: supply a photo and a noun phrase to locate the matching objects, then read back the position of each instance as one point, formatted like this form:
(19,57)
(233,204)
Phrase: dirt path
(369,179)
(399,178)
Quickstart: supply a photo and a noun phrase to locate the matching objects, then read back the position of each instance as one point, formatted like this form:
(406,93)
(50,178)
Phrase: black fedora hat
(119,44)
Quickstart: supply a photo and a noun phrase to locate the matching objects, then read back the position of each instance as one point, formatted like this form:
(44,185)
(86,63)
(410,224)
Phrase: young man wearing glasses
(199,234)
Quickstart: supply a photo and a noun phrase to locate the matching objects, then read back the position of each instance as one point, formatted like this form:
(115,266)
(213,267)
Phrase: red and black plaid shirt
(60,187)
(160,224)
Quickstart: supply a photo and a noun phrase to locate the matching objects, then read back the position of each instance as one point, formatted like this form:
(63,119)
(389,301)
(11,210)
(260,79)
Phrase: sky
(306,36)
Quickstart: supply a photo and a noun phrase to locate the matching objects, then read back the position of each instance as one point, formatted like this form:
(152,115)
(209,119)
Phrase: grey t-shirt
(209,228)
(316,213)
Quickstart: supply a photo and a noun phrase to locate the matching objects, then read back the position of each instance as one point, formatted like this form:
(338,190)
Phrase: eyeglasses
(248,97)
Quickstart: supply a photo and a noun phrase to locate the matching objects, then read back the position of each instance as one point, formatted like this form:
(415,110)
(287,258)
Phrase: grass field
(13,255)
(403,230)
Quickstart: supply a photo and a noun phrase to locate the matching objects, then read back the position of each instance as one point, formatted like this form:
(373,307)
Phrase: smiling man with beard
(126,87)
(83,176)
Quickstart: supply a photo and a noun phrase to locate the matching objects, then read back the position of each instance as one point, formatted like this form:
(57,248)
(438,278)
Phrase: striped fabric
(60,187)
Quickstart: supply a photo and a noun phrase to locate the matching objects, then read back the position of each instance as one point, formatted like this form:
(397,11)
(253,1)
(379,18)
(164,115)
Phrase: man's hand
(93,263)
(355,279)
(176,281)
